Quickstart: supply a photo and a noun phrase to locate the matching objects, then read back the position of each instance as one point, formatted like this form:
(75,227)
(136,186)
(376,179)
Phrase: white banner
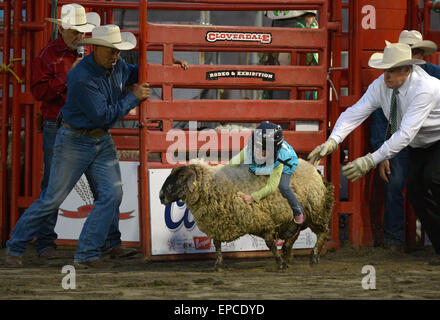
(78,204)
(174,231)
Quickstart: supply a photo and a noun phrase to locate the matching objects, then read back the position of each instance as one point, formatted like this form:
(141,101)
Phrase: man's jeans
(394,213)
(46,235)
(394,216)
(75,153)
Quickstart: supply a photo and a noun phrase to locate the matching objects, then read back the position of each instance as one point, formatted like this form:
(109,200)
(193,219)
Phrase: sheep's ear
(191,179)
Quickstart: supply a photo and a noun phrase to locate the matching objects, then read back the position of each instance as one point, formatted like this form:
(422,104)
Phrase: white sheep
(212,195)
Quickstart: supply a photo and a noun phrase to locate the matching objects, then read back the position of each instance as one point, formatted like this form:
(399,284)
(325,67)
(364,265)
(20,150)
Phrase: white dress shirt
(418,113)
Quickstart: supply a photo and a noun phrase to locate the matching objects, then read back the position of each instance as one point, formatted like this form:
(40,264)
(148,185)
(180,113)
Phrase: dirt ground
(338,276)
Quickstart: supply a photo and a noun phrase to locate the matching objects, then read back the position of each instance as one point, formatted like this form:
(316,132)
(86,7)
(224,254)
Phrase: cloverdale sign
(261,37)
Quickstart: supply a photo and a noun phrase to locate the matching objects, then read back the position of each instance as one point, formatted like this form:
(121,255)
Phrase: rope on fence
(8,68)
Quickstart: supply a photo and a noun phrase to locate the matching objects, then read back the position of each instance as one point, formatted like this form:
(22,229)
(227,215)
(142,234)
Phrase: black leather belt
(95,133)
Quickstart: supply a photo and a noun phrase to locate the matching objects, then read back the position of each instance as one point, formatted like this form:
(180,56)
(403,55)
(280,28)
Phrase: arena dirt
(338,276)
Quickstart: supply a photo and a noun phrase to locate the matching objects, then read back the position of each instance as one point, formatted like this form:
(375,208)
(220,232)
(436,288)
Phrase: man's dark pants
(423,189)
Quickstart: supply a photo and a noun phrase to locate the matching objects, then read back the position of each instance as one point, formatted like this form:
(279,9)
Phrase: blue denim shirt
(432,69)
(96,97)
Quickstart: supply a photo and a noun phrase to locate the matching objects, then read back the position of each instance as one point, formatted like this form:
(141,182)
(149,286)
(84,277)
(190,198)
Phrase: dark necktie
(393,112)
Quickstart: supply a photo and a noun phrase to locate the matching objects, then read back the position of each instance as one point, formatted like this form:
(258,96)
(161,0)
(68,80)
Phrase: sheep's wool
(221,213)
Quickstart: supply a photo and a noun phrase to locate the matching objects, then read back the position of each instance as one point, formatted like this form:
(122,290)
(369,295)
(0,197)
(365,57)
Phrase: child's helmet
(268,136)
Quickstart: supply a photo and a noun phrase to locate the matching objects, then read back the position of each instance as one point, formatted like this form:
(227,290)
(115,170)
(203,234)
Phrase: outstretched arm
(271,185)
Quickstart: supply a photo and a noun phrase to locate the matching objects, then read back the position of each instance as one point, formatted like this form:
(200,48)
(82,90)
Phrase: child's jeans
(288,193)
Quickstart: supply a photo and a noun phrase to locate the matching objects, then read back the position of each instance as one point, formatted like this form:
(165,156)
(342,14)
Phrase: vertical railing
(4,120)
(144,204)
(16,115)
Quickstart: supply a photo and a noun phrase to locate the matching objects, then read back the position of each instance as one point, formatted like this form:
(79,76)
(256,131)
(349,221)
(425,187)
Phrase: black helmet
(268,136)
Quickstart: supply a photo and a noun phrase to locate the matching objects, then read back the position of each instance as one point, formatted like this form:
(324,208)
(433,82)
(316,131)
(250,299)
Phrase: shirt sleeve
(93,103)
(351,118)
(419,109)
(237,159)
(47,84)
(271,185)
(133,74)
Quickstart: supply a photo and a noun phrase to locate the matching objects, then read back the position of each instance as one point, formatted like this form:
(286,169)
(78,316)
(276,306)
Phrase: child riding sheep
(268,154)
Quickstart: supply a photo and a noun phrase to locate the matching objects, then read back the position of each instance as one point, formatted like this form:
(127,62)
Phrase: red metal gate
(171,38)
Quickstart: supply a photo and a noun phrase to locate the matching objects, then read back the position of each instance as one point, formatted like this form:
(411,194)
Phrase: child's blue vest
(287,156)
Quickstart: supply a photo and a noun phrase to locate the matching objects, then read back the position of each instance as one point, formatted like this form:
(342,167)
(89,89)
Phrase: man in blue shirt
(393,171)
(96,99)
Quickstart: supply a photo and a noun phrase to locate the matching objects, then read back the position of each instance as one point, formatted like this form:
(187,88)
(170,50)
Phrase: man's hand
(322,150)
(142,91)
(384,170)
(183,64)
(247,198)
(358,168)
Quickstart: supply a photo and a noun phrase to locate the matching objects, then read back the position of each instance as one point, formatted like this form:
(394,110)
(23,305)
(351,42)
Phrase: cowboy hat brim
(376,61)
(93,20)
(428,47)
(128,42)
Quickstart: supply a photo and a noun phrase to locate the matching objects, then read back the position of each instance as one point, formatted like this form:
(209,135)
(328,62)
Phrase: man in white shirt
(410,99)
(393,171)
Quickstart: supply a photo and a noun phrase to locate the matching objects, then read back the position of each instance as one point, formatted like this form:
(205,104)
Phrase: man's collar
(98,68)
(403,89)
(61,45)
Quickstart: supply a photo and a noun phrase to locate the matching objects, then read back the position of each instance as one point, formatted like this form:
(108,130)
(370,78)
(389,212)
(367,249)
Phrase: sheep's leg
(218,255)
(322,238)
(272,245)
(287,247)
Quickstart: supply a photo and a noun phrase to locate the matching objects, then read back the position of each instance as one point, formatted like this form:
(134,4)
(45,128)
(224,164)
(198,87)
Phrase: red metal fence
(156,116)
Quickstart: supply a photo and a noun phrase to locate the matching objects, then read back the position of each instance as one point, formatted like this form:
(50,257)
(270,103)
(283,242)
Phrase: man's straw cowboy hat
(74,16)
(415,40)
(394,55)
(110,36)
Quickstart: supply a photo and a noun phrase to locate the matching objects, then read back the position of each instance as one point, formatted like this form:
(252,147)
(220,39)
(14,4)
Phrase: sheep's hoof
(283,266)
(287,259)
(314,259)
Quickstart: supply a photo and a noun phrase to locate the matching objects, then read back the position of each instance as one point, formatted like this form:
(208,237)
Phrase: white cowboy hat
(394,55)
(110,36)
(287,14)
(73,16)
(299,13)
(414,39)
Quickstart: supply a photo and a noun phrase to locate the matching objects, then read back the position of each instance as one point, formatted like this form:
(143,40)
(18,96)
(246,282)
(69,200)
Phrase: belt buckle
(96,133)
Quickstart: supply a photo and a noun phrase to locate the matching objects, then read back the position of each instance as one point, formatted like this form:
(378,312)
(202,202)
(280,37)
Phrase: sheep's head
(178,184)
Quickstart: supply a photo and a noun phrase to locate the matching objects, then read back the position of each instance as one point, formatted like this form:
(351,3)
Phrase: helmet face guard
(266,137)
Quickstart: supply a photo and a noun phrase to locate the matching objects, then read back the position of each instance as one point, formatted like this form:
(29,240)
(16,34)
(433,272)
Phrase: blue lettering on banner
(176,225)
